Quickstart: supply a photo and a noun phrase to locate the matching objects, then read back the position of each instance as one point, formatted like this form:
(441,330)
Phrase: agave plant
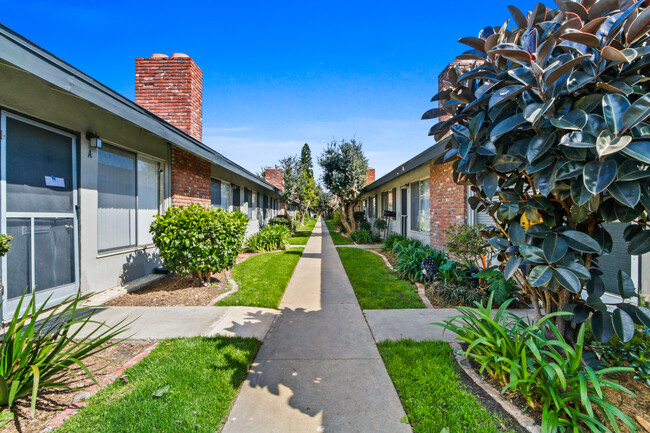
(548,122)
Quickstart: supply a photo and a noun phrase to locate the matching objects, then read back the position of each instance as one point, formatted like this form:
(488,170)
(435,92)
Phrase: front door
(38,203)
(405,207)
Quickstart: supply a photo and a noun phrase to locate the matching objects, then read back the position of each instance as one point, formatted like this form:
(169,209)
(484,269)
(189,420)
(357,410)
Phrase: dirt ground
(51,402)
(174,290)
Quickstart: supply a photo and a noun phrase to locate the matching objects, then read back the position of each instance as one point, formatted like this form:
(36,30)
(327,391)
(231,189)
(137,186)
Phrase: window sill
(420,233)
(120,251)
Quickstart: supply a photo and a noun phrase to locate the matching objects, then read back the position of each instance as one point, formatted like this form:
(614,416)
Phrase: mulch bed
(51,402)
(174,290)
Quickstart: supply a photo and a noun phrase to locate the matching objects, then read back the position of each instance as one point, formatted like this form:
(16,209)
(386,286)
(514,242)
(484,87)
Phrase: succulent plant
(547,120)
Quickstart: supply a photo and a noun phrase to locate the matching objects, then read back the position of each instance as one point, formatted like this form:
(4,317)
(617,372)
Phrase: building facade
(84,170)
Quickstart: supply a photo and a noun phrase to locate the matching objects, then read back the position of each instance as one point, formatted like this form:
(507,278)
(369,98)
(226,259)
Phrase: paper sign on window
(58,182)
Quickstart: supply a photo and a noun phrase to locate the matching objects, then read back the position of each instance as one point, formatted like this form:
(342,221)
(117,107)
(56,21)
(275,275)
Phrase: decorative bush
(410,255)
(501,288)
(465,243)
(361,237)
(390,240)
(359,215)
(199,240)
(5,244)
(376,237)
(270,238)
(285,222)
(548,126)
(634,354)
(39,348)
(455,294)
(380,224)
(365,225)
(547,372)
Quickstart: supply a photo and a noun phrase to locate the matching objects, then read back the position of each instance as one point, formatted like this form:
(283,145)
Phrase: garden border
(525,421)
(79,400)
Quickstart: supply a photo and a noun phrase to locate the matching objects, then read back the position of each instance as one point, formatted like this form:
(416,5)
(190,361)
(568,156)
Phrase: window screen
(148,197)
(116,199)
(225,196)
(394,199)
(34,154)
(236,197)
(252,205)
(415,204)
(215,192)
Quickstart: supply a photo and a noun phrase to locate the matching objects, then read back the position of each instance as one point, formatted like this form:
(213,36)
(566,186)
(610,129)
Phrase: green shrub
(376,237)
(270,238)
(456,294)
(285,222)
(410,255)
(198,240)
(535,360)
(465,243)
(548,126)
(390,241)
(380,224)
(503,289)
(634,354)
(449,272)
(365,225)
(359,215)
(361,237)
(40,349)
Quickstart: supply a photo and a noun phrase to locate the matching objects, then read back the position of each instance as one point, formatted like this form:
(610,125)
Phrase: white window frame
(419,182)
(162,175)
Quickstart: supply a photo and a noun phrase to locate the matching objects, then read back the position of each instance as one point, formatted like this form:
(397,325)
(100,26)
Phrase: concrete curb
(420,286)
(79,400)
(523,420)
(234,288)
(100,298)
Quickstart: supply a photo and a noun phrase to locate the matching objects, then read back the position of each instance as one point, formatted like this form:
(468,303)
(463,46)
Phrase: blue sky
(278,74)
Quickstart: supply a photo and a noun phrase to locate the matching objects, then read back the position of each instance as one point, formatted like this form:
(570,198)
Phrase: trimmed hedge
(198,240)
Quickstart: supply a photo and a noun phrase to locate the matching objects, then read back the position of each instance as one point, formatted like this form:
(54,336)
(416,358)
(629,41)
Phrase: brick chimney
(274,177)
(371,176)
(171,88)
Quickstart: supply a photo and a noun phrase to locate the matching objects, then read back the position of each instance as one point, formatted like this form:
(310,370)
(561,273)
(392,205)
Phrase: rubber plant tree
(547,121)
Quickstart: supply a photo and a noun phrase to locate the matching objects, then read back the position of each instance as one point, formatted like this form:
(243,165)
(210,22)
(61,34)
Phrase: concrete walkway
(319,369)
(156,323)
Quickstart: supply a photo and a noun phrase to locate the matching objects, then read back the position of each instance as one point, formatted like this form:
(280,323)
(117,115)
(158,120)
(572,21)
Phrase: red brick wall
(274,176)
(190,178)
(171,88)
(371,176)
(448,203)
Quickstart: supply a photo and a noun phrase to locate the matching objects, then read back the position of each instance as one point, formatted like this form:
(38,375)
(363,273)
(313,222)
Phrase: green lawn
(302,234)
(429,386)
(203,376)
(337,237)
(262,279)
(376,286)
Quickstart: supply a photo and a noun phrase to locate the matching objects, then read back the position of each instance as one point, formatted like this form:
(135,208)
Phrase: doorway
(38,191)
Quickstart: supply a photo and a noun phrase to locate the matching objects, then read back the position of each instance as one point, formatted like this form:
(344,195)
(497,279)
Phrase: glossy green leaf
(574,120)
(598,175)
(579,192)
(490,184)
(607,143)
(509,210)
(639,150)
(601,325)
(532,253)
(539,145)
(508,125)
(554,247)
(506,163)
(517,234)
(540,275)
(579,270)
(625,285)
(626,193)
(567,279)
(639,244)
(637,113)
(614,107)
(511,267)
(623,325)
(580,241)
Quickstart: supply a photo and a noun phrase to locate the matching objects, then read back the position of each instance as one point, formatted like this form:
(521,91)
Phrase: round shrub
(365,225)
(270,238)
(380,224)
(361,237)
(198,240)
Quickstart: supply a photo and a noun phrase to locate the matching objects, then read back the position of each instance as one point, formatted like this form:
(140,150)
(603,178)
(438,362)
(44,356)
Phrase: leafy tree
(345,170)
(549,127)
(307,188)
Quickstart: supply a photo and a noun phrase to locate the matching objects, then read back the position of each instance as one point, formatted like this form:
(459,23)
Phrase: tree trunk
(344,218)
(302,217)
(351,216)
